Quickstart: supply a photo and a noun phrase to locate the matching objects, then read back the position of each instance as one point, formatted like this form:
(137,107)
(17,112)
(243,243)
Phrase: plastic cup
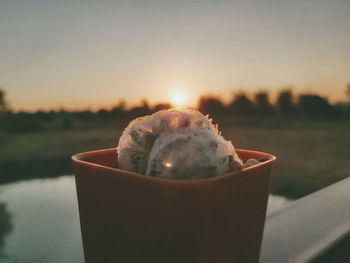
(127,217)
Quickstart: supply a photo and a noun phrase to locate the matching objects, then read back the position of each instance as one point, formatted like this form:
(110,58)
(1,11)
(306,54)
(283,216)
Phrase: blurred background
(274,75)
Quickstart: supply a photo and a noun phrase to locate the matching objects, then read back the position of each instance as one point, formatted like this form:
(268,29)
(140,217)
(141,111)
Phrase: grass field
(310,155)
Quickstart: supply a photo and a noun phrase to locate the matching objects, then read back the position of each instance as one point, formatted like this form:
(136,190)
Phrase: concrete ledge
(309,227)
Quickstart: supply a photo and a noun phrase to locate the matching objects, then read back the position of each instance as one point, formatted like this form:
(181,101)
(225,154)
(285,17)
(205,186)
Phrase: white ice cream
(176,144)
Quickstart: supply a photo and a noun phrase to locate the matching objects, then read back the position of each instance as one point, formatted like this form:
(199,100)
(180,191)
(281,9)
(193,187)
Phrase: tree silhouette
(3,102)
(314,105)
(347,91)
(119,110)
(285,102)
(211,105)
(142,110)
(262,103)
(102,114)
(241,105)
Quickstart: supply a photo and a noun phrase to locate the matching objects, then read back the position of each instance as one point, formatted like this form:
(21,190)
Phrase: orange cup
(128,217)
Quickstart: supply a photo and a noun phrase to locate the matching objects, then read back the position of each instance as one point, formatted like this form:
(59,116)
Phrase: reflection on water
(39,221)
(5,226)
(45,219)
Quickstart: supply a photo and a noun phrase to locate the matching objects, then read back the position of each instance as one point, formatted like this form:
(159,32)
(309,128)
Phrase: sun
(179,98)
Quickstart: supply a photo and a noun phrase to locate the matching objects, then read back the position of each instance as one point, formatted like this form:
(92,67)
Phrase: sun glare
(179,98)
(168,164)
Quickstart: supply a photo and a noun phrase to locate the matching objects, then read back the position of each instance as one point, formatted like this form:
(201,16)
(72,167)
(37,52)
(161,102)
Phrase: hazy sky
(89,53)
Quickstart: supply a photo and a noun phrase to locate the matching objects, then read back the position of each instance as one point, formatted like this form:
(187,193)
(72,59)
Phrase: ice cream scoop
(176,144)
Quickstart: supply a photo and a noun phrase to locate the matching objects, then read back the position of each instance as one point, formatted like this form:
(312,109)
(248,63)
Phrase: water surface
(39,221)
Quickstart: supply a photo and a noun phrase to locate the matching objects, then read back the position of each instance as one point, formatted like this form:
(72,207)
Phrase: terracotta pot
(127,217)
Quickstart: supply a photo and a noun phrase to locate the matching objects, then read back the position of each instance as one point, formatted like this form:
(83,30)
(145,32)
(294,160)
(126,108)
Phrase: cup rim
(79,159)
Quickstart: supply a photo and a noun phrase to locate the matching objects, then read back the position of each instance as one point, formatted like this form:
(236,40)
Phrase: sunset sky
(86,53)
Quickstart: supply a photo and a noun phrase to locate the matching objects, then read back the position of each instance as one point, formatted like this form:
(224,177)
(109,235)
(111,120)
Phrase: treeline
(286,106)
(64,119)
